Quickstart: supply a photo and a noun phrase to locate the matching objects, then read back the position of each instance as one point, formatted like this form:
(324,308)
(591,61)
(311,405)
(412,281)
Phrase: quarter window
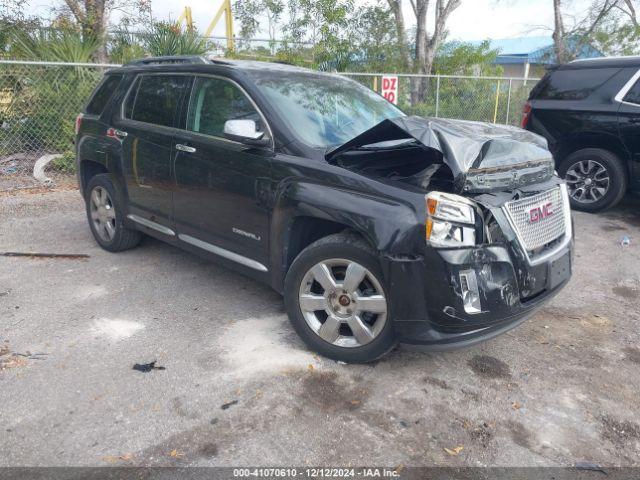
(103,94)
(574,84)
(155,98)
(213,102)
(633,95)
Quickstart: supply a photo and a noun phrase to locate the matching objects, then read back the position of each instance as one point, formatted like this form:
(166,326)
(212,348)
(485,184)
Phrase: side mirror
(244,131)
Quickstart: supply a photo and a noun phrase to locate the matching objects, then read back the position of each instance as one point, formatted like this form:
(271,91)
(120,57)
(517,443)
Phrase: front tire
(337,300)
(596,179)
(105,212)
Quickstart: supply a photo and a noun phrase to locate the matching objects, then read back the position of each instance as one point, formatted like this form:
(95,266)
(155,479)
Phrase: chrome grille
(536,234)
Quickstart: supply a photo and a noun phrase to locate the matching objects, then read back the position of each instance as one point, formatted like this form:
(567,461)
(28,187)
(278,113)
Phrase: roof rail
(612,57)
(211,57)
(169,60)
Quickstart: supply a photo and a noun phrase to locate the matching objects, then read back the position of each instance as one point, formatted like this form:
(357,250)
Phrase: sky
(473,20)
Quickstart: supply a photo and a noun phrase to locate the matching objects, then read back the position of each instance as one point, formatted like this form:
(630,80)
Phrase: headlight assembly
(450,220)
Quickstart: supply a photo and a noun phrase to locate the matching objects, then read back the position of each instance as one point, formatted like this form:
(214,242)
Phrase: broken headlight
(451,220)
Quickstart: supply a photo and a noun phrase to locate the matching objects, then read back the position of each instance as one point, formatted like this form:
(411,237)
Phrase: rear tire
(338,302)
(105,213)
(596,179)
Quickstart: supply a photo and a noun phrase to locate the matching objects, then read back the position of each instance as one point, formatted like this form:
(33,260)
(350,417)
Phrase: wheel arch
(304,230)
(89,169)
(308,212)
(597,140)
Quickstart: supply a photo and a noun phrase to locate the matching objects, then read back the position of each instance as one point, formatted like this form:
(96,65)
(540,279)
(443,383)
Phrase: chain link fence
(39,102)
(484,99)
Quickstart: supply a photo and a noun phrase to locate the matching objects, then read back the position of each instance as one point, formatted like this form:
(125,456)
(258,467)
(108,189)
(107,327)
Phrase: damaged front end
(477,157)
(498,229)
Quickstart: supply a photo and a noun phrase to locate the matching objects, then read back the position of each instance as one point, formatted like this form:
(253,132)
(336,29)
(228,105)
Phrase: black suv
(589,112)
(376,227)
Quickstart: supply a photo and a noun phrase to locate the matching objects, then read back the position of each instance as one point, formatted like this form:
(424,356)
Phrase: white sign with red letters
(390,88)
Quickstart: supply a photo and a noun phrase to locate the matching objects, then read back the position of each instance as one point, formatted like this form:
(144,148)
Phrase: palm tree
(53,46)
(169,39)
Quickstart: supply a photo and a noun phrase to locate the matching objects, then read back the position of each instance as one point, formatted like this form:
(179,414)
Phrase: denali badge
(253,236)
(540,212)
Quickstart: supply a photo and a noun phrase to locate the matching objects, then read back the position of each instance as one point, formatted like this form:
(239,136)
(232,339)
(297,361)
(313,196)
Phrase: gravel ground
(22,180)
(239,388)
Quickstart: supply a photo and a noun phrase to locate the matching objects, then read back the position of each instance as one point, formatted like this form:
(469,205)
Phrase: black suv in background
(376,227)
(589,112)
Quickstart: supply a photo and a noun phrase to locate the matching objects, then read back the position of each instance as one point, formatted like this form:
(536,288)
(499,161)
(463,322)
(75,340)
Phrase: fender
(89,148)
(391,226)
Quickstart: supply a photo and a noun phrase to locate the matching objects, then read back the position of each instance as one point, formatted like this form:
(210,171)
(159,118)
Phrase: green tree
(124,44)
(610,25)
(246,13)
(568,40)
(375,40)
(273,10)
(618,33)
(92,17)
(461,58)
(323,24)
(13,19)
(425,45)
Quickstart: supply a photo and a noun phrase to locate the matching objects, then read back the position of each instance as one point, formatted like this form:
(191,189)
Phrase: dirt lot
(239,388)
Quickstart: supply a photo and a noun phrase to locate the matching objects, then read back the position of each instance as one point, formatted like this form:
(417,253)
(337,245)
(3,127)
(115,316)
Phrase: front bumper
(427,299)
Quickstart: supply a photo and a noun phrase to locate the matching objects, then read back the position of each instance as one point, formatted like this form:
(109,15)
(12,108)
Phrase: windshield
(324,110)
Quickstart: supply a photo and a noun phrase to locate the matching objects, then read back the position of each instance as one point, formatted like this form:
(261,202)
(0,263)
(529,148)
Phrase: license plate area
(559,270)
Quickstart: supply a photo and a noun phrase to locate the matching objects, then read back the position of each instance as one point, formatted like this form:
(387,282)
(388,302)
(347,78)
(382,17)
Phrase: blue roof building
(528,56)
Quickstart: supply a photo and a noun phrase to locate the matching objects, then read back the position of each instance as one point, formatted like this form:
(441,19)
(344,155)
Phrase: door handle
(185,148)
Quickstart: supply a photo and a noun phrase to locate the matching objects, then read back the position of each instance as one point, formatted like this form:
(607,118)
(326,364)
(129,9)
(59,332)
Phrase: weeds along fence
(39,102)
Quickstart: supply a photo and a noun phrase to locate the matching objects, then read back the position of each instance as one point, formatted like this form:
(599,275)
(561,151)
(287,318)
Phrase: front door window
(213,102)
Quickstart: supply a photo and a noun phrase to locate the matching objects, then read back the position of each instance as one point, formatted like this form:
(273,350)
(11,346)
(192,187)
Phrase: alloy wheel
(103,214)
(343,303)
(587,180)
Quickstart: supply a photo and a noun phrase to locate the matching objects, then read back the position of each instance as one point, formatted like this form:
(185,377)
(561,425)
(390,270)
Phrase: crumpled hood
(482,156)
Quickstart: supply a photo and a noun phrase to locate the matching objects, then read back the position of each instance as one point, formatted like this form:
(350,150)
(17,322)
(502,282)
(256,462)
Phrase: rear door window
(103,94)
(213,102)
(575,84)
(155,98)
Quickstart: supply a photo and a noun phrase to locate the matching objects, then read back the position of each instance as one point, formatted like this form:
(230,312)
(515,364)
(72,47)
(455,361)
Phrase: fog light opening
(470,293)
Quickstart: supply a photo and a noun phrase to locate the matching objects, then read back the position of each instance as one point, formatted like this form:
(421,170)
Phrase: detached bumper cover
(510,291)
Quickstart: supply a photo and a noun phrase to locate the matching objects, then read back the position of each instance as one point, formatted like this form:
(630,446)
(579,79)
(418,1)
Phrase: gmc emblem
(540,212)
